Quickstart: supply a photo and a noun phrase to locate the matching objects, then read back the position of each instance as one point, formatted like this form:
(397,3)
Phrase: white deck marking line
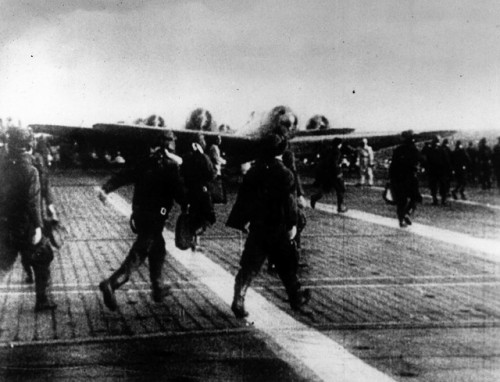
(427,196)
(484,248)
(386,279)
(275,287)
(323,356)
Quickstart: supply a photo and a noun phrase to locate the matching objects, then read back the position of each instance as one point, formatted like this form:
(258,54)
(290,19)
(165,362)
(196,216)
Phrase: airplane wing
(134,140)
(63,131)
(237,147)
(310,146)
(324,132)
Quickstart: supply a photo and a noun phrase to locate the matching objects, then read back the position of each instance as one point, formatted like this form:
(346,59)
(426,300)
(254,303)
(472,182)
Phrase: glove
(37,236)
(197,147)
(133,227)
(52,212)
(101,194)
(301,202)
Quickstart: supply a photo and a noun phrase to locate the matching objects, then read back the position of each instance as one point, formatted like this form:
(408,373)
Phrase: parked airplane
(239,146)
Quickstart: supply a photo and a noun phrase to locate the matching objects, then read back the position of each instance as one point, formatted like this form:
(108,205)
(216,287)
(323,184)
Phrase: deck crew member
(197,172)
(267,205)
(157,184)
(403,178)
(496,162)
(21,215)
(461,163)
(365,161)
(41,162)
(329,176)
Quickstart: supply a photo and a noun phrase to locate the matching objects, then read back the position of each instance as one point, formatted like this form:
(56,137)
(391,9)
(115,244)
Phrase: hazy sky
(367,64)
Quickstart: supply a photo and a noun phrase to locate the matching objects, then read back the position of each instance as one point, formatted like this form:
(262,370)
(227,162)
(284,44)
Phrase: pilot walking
(267,205)
(461,163)
(21,216)
(437,167)
(198,171)
(496,162)
(484,155)
(365,161)
(41,163)
(329,176)
(157,184)
(403,178)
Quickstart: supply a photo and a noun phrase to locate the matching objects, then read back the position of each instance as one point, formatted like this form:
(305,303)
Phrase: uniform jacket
(217,160)
(289,162)
(365,156)
(404,164)
(20,203)
(156,182)
(329,167)
(437,160)
(266,199)
(496,157)
(41,165)
(460,160)
(197,170)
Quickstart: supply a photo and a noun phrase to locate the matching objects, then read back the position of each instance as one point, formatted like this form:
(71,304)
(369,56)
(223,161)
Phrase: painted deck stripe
(484,248)
(94,290)
(428,196)
(323,356)
(386,280)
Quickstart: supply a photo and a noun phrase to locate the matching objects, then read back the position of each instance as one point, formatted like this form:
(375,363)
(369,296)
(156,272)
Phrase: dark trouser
(441,184)
(8,254)
(150,245)
(406,196)
(485,177)
(301,224)
(279,250)
(201,210)
(461,182)
(337,185)
(37,257)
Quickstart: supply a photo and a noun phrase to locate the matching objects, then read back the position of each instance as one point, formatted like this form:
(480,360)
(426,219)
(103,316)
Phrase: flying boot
(42,277)
(314,199)
(159,291)
(241,284)
(109,285)
(297,296)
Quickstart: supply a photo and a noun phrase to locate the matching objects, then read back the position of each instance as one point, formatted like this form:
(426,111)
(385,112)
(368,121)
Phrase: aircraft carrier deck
(389,304)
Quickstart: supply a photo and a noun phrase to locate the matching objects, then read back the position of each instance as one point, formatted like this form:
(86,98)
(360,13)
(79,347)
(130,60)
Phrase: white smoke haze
(380,65)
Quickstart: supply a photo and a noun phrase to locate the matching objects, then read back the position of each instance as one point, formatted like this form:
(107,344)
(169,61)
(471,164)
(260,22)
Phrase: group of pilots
(268,207)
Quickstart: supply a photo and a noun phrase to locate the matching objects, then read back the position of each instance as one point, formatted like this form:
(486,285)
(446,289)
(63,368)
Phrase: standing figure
(329,176)
(365,161)
(198,171)
(21,216)
(461,163)
(289,162)
(403,178)
(157,184)
(267,205)
(216,157)
(218,191)
(473,172)
(484,163)
(435,167)
(447,174)
(496,162)
(41,163)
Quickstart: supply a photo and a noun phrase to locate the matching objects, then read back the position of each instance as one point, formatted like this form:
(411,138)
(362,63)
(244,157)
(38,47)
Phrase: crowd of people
(269,206)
